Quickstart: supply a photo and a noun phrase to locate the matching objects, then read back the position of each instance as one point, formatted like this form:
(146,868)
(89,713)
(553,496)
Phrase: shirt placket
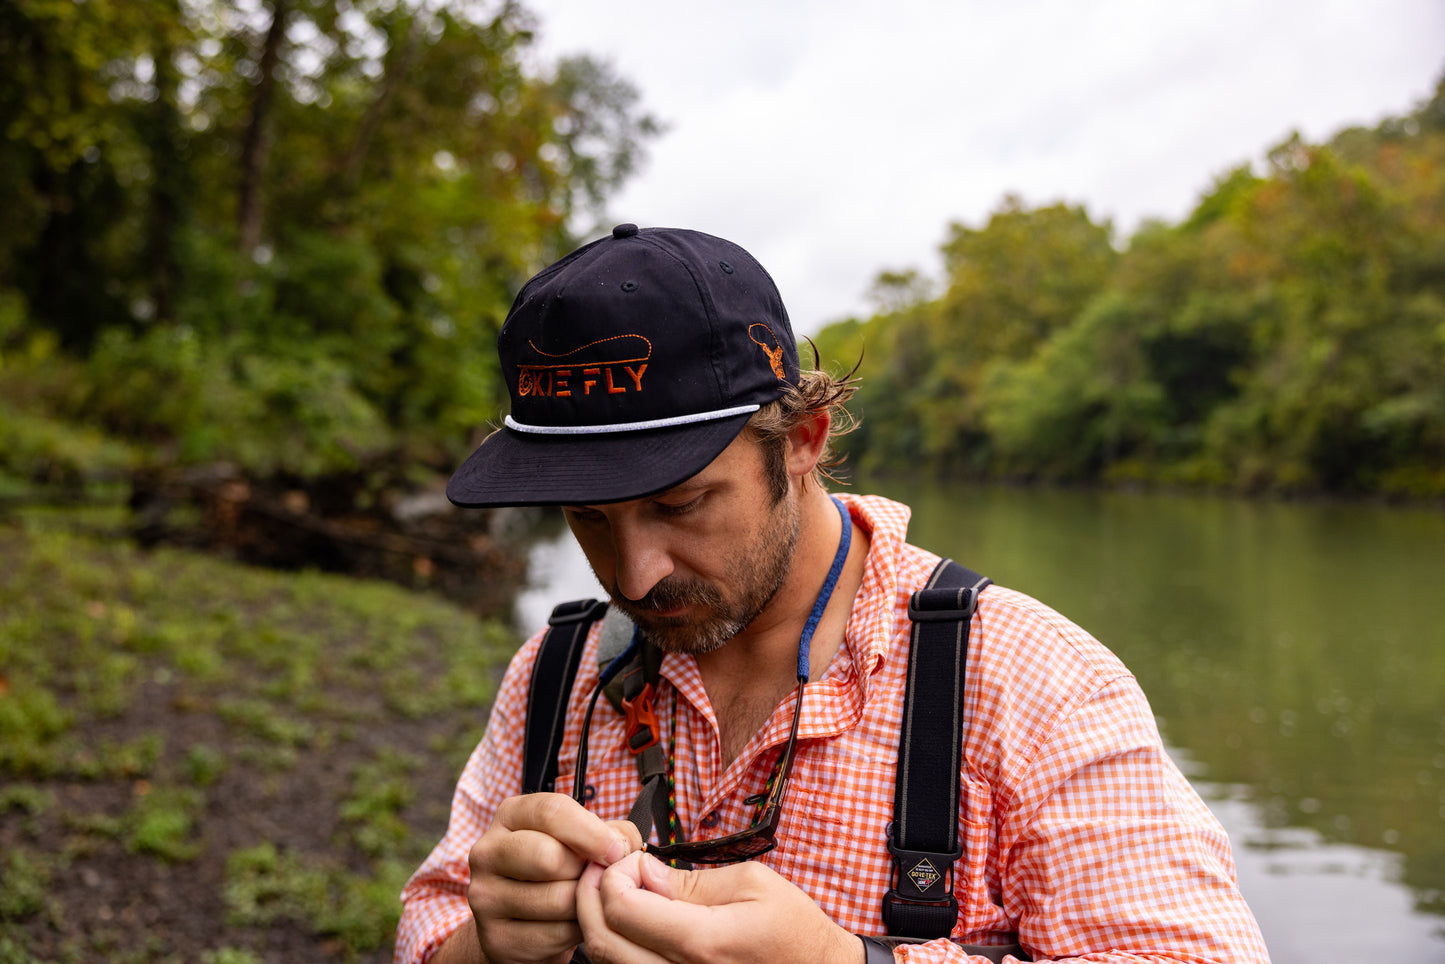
(713,800)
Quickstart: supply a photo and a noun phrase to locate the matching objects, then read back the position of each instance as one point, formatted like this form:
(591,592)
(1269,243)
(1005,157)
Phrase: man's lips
(657,612)
(669,604)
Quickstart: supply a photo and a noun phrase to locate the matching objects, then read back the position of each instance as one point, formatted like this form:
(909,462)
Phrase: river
(1294,655)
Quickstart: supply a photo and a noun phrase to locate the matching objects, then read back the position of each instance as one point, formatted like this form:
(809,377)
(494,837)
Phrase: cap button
(624,231)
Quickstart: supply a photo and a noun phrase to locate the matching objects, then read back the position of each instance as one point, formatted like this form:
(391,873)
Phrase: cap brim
(521,468)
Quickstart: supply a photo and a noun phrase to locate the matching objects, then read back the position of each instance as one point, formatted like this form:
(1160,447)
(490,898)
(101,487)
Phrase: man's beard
(758,574)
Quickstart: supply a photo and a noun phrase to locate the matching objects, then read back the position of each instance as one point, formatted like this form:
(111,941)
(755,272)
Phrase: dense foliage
(1288,336)
(283,233)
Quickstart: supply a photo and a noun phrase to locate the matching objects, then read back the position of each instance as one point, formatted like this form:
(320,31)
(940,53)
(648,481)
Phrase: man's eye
(679,508)
(584,516)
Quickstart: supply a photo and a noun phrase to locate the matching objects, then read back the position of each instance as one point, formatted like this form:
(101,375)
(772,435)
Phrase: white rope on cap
(629,426)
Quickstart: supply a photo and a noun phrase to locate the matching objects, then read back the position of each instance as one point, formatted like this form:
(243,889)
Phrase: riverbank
(203,761)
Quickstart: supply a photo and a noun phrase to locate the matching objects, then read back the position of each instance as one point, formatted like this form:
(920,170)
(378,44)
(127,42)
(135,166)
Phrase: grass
(205,761)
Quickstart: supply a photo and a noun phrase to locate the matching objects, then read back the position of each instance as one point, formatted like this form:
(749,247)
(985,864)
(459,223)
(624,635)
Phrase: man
(657,397)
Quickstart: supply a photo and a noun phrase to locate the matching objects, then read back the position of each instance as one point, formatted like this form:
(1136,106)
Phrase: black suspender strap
(553,673)
(644,741)
(923,836)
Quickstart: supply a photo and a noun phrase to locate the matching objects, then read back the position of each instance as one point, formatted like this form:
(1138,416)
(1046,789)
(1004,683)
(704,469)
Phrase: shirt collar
(834,702)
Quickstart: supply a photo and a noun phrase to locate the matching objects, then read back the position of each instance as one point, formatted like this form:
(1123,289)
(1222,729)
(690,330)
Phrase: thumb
(631,838)
(658,878)
(706,888)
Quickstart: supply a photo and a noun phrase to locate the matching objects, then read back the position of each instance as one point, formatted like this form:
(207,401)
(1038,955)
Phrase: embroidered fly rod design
(614,369)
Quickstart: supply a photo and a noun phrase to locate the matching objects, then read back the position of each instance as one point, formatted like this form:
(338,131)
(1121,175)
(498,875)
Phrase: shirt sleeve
(1108,855)
(434,901)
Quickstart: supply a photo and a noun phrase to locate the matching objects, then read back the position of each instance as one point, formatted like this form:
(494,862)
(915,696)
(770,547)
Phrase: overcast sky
(837,138)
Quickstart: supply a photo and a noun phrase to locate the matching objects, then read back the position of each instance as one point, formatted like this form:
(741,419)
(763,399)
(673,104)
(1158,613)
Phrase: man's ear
(806,444)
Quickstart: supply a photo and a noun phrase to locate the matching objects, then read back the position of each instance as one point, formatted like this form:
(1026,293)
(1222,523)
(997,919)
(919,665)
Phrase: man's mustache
(671,594)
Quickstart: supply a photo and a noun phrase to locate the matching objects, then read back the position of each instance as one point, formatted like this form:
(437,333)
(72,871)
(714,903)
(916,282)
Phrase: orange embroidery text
(552,381)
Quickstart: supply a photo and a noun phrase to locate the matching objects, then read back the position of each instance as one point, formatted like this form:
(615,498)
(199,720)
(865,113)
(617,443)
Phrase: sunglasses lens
(741,850)
(753,842)
(743,846)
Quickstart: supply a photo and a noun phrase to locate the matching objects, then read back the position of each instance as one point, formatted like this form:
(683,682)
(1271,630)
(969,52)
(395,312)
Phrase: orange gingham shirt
(1079,832)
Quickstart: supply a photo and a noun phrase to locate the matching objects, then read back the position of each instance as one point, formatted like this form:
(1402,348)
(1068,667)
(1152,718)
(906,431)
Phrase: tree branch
(255,144)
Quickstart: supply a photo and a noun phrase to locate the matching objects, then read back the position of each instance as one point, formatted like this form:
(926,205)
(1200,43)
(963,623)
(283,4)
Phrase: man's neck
(746,678)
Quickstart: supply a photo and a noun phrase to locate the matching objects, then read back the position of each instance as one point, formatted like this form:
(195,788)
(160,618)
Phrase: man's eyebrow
(685,487)
(693,484)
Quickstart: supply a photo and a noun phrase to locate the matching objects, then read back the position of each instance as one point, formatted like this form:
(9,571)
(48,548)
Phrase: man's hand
(639,911)
(525,868)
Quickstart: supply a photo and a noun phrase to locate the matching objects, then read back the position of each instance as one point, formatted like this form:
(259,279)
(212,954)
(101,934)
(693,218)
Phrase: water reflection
(556,572)
(1318,900)
(1295,654)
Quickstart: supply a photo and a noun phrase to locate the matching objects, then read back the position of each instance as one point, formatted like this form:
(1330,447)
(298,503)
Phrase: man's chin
(683,633)
(686,644)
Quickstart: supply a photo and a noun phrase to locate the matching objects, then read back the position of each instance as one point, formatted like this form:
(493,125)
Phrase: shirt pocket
(980,903)
(833,838)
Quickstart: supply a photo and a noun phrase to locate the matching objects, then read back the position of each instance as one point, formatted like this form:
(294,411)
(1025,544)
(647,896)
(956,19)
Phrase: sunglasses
(756,840)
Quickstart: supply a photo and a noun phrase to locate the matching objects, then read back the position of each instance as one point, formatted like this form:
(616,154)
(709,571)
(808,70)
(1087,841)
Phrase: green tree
(1346,367)
(1289,335)
(1009,286)
(78,103)
(1081,403)
(288,231)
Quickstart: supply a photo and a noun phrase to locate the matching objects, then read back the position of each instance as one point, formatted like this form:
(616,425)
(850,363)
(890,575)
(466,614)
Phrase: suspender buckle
(942,605)
(921,872)
(921,902)
(924,920)
(642,728)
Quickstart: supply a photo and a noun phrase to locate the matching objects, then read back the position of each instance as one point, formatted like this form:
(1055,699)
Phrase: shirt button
(711,820)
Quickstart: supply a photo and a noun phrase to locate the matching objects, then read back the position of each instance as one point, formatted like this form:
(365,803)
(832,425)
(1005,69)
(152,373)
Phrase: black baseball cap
(632,363)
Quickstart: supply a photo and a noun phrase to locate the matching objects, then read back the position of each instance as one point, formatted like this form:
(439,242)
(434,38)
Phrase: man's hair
(817,390)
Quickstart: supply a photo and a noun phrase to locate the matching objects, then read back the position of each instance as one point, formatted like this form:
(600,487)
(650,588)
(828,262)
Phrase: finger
(603,944)
(499,897)
(522,920)
(530,855)
(695,915)
(512,940)
(630,834)
(713,887)
(565,820)
(742,911)
(673,929)
(589,905)
(659,878)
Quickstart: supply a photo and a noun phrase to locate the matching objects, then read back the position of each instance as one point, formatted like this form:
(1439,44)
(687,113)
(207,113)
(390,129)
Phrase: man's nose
(643,559)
